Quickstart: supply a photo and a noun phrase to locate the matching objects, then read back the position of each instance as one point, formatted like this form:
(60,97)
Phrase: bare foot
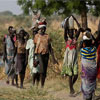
(7,82)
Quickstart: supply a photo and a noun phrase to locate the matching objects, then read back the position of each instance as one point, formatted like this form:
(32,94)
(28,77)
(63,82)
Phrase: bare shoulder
(37,35)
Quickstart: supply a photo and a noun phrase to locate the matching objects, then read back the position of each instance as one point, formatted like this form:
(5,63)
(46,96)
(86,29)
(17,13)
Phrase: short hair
(88,29)
(10,27)
(88,43)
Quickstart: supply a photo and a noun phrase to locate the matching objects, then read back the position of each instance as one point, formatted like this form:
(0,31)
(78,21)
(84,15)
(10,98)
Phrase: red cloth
(71,44)
(42,23)
(98,62)
(14,38)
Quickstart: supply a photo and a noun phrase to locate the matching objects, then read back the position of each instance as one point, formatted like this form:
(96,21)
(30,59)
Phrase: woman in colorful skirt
(89,67)
(70,64)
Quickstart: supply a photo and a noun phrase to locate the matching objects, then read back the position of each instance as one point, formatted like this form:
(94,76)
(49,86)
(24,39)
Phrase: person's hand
(35,63)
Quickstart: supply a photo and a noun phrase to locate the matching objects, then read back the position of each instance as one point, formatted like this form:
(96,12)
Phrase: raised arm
(66,27)
(76,21)
(97,39)
(78,32)
(65,34)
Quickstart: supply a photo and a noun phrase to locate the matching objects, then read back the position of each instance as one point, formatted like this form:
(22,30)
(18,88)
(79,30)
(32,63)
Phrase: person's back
(89,67)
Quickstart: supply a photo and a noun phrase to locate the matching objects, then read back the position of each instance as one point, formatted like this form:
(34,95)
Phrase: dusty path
(53,90)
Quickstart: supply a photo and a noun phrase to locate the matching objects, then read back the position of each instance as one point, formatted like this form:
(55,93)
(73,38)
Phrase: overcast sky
(10,5)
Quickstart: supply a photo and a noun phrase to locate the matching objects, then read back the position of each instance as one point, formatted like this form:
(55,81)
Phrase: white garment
(30,46)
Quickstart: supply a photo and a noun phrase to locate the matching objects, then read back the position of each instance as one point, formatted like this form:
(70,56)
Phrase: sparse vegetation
(56,87)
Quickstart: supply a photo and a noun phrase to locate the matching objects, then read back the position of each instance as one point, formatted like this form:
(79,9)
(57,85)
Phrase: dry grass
(56,87)
(54,30)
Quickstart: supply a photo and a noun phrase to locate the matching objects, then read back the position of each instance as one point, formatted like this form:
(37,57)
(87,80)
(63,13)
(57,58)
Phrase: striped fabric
(88,53)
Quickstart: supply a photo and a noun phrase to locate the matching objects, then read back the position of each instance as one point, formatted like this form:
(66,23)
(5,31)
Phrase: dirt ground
(55,89)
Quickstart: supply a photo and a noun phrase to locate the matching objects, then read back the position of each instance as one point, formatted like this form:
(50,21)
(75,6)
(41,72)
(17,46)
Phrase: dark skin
(88,44)
(42,32)
(72,79)
(35,77)
(11,34)
(34,32)
(94,40)
(4,48)
(22,41)
(70,33)
(26,35)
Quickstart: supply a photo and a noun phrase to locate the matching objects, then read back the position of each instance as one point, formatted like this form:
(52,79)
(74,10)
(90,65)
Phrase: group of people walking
(19,51)
(14,55)
(90,69)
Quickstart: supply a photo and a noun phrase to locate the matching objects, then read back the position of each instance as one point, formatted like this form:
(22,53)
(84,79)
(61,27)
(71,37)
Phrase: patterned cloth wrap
(10,55)
(30,46)
(70,63)
(89,72)
(88,53)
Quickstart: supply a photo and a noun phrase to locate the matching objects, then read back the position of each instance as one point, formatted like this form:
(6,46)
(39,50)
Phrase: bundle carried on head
(69,22)
(40,23)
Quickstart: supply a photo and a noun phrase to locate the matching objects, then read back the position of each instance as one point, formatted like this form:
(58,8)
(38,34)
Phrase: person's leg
(89,98)
(40,58)
(45,65)
(71,85)
(42,80)
(13,77)
(75,77)
(16,79)
(33,78)
(38,78)
(23,70)
(22,76)
(43,60)
(7,81)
